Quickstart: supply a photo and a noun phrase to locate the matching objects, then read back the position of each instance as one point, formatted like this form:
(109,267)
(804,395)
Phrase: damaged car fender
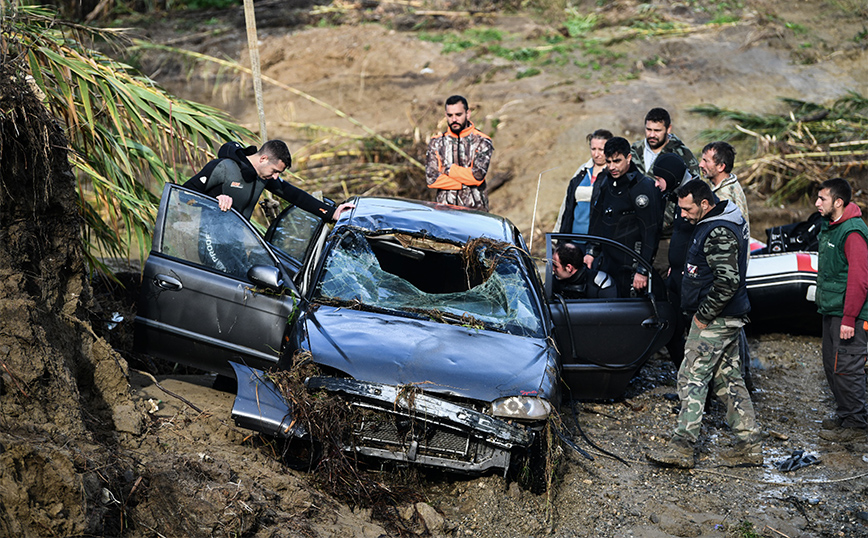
(401,423)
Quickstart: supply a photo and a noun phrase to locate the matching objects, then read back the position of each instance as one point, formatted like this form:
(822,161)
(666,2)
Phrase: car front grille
(399,437)
(414,427)
(398,432)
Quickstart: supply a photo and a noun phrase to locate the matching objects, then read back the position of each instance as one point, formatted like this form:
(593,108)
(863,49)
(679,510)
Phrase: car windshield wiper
(432,314)
(358,305)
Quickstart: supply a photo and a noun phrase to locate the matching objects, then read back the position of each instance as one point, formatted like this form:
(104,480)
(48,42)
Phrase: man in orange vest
(457,160)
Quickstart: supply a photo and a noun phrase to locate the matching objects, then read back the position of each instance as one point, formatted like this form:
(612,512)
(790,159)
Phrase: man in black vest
(714,294)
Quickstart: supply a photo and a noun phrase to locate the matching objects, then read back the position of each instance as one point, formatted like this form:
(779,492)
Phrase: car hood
(441,358)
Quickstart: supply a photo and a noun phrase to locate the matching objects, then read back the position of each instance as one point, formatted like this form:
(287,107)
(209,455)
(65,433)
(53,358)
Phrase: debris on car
(432,320)
(429,318)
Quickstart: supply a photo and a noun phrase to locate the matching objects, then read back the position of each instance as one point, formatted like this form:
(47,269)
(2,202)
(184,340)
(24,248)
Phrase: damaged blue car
(397,294)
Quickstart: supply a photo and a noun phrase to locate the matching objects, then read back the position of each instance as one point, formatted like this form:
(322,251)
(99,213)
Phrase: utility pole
(253,46)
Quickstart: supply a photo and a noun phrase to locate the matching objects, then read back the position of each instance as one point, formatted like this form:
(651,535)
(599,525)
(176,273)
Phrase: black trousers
(844,364)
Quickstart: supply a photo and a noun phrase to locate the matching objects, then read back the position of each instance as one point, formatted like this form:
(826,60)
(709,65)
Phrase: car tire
(529,468)
(302,454)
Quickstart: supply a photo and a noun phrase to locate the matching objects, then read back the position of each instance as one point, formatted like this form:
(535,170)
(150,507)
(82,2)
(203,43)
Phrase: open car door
(212,290)
(604,338)
(296,235)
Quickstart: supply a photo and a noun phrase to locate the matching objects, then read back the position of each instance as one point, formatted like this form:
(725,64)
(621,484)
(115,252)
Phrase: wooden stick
(454,13)
(535,200)
(253,45)
(776,531)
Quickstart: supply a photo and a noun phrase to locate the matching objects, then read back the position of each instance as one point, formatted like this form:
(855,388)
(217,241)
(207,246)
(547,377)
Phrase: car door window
(197,231)
(197,305)
(293,231)
(613,326)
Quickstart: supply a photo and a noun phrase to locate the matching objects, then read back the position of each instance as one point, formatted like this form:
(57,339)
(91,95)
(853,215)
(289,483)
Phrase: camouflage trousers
(711,357)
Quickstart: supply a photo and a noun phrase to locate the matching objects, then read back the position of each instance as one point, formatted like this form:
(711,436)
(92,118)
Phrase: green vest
(833,267)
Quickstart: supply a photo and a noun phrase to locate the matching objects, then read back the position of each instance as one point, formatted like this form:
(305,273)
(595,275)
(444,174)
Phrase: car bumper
(398,423)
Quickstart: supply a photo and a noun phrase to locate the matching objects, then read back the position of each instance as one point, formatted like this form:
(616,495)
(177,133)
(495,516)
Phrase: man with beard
(659,139)
(625,207)
(716,165)
(457,160)
(842,288)
(714,294)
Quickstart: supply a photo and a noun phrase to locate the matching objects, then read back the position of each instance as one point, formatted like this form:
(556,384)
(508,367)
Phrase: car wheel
(530,468)
(302,454)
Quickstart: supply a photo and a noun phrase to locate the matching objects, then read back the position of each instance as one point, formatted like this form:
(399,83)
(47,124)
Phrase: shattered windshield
(481,284)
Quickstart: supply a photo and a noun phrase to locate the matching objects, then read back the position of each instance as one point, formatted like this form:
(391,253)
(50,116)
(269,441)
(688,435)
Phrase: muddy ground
(203,454)
(92,447)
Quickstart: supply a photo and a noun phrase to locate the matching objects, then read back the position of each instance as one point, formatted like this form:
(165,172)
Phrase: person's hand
(640,282)
(588,259)
(847,332)
(341,208)
(699,323)
(224,201)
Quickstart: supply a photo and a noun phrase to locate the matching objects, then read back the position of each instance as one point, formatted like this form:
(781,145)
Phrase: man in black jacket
(239,175)
(570,274)
(625,207)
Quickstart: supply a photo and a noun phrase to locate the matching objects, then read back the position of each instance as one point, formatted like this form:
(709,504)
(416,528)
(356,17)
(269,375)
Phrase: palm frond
(235,66)
(796,150)
(127,135)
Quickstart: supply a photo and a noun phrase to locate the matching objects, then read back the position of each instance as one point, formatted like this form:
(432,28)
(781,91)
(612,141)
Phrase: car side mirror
(266,276)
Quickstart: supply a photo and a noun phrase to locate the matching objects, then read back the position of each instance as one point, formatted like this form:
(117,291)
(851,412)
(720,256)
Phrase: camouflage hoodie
(714,274)
(730,189)
(673,145)
(456,165)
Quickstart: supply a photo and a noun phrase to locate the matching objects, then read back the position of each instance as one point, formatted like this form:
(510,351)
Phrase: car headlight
(521,407)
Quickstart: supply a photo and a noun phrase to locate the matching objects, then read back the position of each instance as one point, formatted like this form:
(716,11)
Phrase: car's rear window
(482,285)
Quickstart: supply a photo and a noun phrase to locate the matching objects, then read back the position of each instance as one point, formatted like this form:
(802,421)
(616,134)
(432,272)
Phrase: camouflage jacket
(456,165)
(730,189)
(714,274)
(673,145)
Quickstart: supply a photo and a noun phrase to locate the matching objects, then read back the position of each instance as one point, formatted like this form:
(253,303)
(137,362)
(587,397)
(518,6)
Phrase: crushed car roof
(427,219)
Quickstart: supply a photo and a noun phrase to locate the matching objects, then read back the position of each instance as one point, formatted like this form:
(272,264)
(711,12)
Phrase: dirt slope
(395,82)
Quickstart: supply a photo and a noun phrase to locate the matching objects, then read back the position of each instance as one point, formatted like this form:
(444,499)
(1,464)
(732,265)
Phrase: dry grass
(794,152)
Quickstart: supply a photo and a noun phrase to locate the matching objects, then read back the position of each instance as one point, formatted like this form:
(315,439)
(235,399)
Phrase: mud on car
(398,294)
